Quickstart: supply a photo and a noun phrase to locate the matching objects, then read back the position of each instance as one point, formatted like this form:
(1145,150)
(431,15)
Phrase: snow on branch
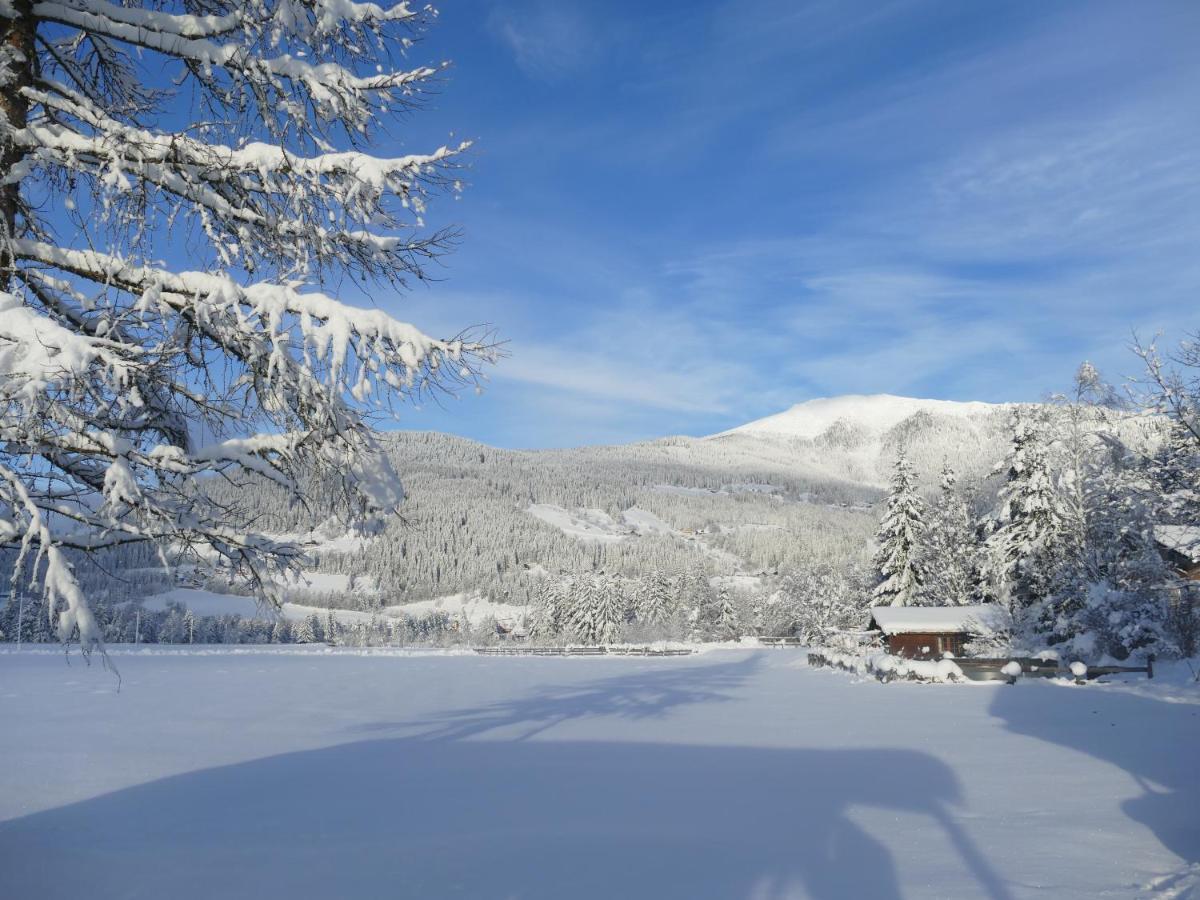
(128,387)
(360,349)
(333,89)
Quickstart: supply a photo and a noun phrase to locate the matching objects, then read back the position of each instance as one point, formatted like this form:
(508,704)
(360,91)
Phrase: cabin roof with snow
(1183,539)
(934,619)
(1179,546)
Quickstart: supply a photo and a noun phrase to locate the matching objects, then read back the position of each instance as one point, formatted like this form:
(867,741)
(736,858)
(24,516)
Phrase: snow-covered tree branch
(128,381)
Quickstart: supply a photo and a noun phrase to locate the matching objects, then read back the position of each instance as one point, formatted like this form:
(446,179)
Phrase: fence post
(1150,666)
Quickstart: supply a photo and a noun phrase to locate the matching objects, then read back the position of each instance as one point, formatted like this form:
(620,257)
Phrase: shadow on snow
(646,694)
(437,816)
(1152,740)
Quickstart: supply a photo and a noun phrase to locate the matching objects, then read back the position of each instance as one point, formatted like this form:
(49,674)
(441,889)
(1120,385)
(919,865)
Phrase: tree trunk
(17,58)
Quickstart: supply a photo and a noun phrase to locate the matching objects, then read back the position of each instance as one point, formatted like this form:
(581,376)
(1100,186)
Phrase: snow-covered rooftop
(909,619)
(1183,539)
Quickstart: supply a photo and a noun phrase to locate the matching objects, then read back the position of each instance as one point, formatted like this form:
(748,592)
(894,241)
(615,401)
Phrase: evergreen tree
(304,631)
(900,533)
(584,608)
(654,605)
(609,615)
(949,548)
(1032,545)
(727,626)
(549,615)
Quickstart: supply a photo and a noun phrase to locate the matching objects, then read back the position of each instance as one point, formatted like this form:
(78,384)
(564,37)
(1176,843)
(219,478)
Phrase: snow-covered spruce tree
(124,378)
(728,627)
(1032,544)
(654,601)
(949,548)
(609,616)
(900,533)
(580,608)
(548,617)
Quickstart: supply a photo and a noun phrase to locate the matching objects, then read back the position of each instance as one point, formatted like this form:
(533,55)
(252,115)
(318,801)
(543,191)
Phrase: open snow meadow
(730,773)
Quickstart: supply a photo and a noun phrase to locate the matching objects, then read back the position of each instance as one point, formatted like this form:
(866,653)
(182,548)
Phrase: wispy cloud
(548,40)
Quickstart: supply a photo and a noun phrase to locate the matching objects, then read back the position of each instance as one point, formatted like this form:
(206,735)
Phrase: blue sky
(686,216)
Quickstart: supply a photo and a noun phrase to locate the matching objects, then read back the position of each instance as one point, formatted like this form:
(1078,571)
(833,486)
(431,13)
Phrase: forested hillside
(732,504)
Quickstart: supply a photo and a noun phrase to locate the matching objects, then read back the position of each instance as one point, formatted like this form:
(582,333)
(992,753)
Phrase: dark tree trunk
(17,60)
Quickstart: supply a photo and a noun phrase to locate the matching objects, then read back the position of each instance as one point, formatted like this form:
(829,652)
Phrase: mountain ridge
(874,413)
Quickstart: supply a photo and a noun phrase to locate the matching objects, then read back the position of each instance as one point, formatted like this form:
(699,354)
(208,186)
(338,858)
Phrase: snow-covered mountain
(871,413)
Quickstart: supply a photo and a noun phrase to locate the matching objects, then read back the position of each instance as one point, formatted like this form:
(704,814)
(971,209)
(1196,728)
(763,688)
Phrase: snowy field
(727,774)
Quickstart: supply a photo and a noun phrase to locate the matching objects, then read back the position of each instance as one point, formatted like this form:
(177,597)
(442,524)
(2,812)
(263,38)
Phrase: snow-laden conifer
(654,600)
(167,252)
(949,548)
(1032,540)
(608,616)
(900,533)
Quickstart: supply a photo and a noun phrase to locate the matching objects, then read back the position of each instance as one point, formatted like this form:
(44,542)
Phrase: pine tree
(541,613)
(304,631)
(126,381)
(609,615)
(654,601)
(1031,544)
(727,626)
(949,548)
(900,578)
(583,609)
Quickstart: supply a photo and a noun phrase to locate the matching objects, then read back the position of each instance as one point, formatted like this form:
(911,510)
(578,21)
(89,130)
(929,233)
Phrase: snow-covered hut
(930,632)
(1179,546)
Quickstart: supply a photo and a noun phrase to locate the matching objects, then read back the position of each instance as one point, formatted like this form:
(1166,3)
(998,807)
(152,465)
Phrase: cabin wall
(926,645)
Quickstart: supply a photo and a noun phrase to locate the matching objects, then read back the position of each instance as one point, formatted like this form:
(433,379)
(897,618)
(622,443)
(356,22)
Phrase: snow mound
(874,413)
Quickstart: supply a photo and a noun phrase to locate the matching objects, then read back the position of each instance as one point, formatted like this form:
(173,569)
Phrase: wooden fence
(582,651)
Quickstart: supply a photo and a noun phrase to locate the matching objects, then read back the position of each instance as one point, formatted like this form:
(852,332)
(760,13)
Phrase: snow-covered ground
(734,773)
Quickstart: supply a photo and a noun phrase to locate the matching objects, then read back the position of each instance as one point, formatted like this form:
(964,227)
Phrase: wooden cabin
(1179,546)
(930,632)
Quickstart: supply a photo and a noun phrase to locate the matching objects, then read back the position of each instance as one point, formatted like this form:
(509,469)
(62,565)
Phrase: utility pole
(20,615)
(137,627)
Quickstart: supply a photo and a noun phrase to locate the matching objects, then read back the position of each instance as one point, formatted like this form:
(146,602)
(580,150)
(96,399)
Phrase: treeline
(130,623)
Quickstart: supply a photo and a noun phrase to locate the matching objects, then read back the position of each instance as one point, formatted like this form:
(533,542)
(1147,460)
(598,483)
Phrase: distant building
(930,632)
(507,631)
